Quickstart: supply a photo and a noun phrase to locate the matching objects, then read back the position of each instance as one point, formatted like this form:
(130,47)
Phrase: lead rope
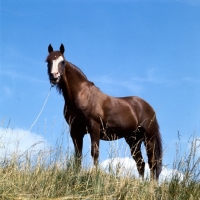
(41,109)
(35,119)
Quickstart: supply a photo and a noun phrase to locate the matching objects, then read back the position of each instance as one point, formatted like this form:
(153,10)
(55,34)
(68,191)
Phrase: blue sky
(146,48)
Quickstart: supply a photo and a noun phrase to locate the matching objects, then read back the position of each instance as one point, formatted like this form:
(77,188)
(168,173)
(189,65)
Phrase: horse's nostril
(55,75)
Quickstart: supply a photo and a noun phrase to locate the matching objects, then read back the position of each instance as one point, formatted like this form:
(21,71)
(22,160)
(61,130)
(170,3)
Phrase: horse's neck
(72,84)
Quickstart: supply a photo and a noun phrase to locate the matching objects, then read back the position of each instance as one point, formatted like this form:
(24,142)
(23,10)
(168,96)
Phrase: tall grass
(53,174)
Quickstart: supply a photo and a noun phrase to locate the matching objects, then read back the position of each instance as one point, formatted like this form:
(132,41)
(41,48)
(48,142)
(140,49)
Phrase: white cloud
(151,77)
(191,80)
(25,77)
(123,166)
(127,167)
(19,140)
(7,91)
(134,83)
(116,84)
(168,174)
(190,2)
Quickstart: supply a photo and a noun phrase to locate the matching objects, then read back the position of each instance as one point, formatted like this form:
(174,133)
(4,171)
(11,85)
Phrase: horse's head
(55,63)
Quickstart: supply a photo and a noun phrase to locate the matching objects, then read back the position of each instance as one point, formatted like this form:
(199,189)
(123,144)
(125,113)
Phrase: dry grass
(52,174)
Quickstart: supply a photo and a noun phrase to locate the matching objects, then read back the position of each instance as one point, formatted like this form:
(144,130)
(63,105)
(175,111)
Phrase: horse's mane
(79,71)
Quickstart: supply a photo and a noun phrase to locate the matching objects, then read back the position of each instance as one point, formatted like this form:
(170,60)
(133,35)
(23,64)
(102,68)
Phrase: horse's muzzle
(54,79)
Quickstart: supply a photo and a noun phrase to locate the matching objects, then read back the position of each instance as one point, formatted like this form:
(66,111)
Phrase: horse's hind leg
(94,131)
(135,146)
(150,148)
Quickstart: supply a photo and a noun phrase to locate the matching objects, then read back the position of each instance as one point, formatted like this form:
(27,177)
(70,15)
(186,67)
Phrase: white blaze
(54,68)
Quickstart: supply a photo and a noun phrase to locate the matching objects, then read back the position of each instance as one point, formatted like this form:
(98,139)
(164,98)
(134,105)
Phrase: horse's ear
(62,48)
(50,48)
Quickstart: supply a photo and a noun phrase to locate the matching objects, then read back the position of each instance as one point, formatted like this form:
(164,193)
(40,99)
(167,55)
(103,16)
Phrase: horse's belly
(119,126)
(110,134)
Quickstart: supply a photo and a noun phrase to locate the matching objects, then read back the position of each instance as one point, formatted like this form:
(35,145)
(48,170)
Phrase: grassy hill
(53,174)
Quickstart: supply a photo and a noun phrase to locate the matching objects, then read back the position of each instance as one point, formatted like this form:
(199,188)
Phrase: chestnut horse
(88,110)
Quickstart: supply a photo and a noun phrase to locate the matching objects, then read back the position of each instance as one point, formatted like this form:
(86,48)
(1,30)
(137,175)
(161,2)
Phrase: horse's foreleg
(77,138)
(78,146)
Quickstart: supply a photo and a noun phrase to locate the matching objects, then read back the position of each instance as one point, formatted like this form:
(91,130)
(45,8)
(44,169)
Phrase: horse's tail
(158,151)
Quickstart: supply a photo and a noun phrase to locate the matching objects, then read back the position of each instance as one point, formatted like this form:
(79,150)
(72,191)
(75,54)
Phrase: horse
(88,110)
